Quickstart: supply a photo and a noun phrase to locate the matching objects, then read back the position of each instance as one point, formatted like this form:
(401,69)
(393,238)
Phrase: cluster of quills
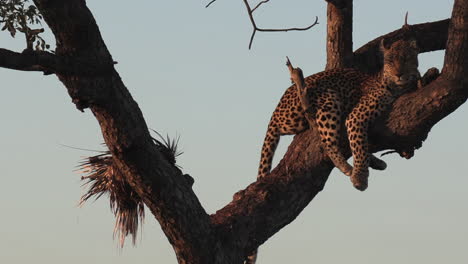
(102,176)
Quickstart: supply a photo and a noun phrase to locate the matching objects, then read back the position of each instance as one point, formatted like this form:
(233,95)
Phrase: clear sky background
(191,73)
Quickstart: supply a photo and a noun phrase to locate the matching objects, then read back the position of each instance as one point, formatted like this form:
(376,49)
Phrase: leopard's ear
(383,45)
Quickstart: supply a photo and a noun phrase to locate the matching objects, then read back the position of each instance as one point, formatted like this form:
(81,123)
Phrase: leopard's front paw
(347,170)
(359,179)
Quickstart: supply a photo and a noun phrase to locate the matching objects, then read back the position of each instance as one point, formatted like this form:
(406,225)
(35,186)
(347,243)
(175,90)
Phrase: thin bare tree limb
(252,37)
(288,29)
(297,78)
(259,4)
(256,28)
(212,1)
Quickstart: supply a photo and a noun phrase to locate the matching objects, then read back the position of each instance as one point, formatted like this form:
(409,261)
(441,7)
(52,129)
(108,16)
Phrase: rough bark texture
(160,185)
(267,205)
(339,34)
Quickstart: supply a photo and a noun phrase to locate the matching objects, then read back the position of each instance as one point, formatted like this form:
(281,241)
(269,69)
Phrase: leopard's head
(400,68)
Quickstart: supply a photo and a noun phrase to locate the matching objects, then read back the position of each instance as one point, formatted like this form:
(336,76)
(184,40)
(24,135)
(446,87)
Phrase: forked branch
(256,28)
(259,4)
(267,205)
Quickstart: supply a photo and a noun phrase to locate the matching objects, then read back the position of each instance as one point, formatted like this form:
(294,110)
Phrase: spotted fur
(344,101)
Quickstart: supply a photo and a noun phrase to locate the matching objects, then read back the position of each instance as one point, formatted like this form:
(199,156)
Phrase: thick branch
(161,186)
(430,37)
(339,34)
(49,63)
(265,206)
(421,110)
(456,62)
(29,61)
(274,201)
(338,3)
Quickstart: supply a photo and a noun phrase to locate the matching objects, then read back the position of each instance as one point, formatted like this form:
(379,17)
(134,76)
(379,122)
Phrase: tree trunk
(339,34)
(270,203)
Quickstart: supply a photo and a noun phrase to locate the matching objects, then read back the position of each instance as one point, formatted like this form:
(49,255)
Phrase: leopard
(344,102)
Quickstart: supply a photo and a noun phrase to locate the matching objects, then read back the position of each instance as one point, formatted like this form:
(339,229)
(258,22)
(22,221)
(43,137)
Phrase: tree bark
(339,34)
(270,203)
(161,185)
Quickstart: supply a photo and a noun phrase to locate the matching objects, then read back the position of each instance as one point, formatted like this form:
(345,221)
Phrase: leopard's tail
(268,150)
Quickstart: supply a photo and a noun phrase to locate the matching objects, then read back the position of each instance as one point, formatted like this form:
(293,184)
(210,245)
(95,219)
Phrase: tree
(123,130)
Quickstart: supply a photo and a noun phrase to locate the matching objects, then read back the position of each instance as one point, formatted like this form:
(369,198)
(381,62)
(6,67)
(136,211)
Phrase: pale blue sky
(191,73)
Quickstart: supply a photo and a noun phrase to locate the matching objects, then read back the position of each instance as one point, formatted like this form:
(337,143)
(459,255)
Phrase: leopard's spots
(344,100)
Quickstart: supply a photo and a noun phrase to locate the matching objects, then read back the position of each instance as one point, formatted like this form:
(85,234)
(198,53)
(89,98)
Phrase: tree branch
(288,29)
(43,61)
(430,37)
(339,34)
(456,62)
(161,185)
(264,207)
(338,3)
(259,4)
(274,201)
(29,61)
(256,28)
(212,1)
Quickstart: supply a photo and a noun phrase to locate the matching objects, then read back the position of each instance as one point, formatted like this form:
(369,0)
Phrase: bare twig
(297,77)
(210,3)
(289,29)
(406,26)
(252,37)
(289,64)
(255,28)
(259,4)
(388,152)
